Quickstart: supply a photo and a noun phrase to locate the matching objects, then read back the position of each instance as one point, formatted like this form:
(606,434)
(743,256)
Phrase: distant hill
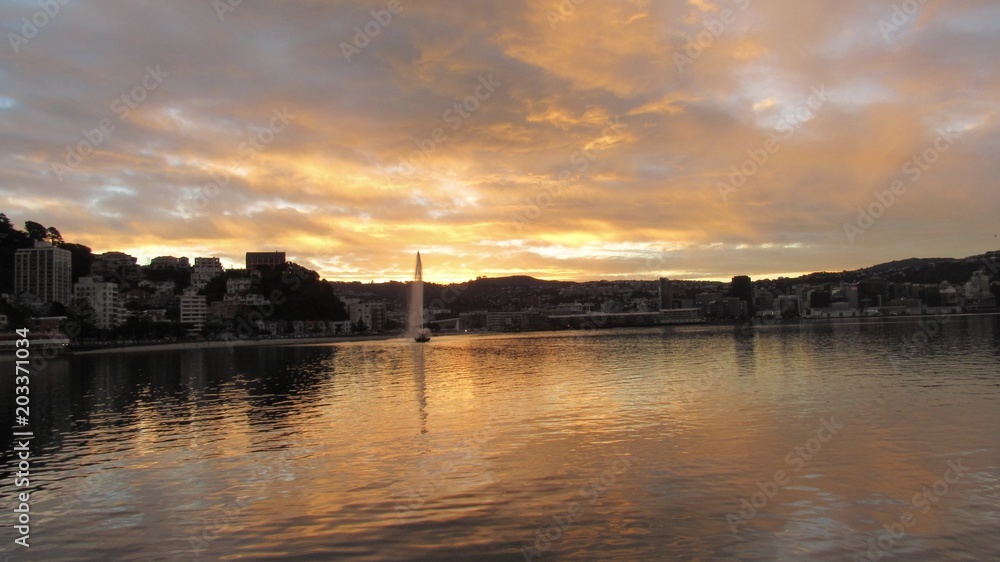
(914,270)
(513,281)
(911,263)
(476,294)
(934,270)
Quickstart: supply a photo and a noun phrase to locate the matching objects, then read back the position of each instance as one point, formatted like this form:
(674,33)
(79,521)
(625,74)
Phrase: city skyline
(254,258)
(569,140)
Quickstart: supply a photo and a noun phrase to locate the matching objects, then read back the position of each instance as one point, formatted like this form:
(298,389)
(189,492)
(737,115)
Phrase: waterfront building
(473,320)
(820,299)
(705,300)
(372,314)
(853,299)
(763,299)
(978,296)
(517,321)
(978,285)
(702,299)
(742,288)
(44,272)
(734,307)
(666,294)
(681,316)
(787,306)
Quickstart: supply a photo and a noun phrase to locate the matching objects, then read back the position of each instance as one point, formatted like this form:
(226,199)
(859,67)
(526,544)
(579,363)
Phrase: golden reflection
(420,383)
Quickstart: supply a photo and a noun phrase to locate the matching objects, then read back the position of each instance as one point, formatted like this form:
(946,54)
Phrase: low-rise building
(518,321)
(169,262)
(236,285)
(204,270)
(107,263)
(252,299)
(155,315)
(256,260)
(372,314)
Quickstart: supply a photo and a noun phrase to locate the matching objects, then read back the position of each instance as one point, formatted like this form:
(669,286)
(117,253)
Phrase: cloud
(403,148)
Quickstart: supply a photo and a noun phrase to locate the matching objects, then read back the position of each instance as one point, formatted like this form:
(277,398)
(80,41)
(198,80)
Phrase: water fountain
(415,319)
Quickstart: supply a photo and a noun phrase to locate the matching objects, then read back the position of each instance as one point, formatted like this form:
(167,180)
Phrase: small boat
(423,336)
(421,333)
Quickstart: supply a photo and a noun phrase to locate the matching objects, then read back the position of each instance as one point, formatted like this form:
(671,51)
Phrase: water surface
(795,442)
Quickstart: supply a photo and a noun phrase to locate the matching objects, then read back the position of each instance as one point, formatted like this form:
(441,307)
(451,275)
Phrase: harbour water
(859,440)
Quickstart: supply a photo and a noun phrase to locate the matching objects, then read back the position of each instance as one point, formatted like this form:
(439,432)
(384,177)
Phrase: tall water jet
(415,319)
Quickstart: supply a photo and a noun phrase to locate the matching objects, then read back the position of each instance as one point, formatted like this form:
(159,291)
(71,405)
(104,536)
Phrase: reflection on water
(815,441)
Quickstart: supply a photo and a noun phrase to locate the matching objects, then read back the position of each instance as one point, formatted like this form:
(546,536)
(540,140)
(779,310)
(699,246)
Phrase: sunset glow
(628,139)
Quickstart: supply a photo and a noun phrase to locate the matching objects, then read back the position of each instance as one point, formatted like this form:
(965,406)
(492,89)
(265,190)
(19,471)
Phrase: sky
(573,139)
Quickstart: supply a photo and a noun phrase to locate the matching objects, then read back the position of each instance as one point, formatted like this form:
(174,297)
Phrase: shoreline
(178,346)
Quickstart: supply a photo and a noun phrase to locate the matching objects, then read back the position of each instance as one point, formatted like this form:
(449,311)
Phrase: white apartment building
(204,270)
(44,272)
(373,314)
(194,309)
(103,298)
